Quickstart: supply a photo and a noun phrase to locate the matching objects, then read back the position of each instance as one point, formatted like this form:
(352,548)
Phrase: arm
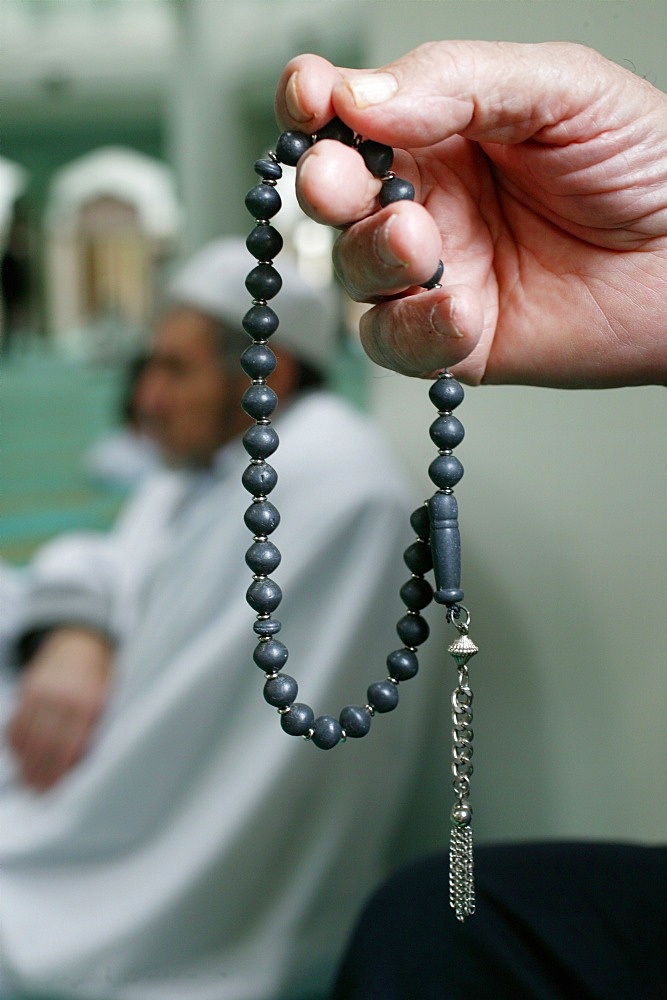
(541,181)
(79,601)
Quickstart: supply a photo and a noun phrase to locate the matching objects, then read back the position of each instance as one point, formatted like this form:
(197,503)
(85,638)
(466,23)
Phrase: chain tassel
(461,877)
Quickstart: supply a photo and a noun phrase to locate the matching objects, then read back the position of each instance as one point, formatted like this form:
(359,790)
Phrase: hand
(61,696)
(541,181)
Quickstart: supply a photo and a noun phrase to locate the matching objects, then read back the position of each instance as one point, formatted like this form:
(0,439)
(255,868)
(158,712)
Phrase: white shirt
(198,852)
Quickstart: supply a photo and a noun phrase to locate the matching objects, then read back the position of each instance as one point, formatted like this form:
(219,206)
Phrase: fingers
(377,256)
(334,186)
(489,91)
(424,333)
(48,740)
(304,93)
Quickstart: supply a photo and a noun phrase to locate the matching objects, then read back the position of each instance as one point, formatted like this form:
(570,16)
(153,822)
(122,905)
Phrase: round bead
(264,596)
(338,130)
(377,157)
(281,691)
(420,522)
(445,471)
(355,721)
(258,361)
(270,656)
(267,626)
(263,282)
(416,594)
(418,557)
(327,732)
(446,432)
(446,393)
(268,169)
(263,201)
(261,517)
(383,696)
(260,322)
(263,558)
(435,278)
(396,189)
(291,146)
(260,441)
(403,664)
(259,401)
(259,479)
(412,629)
(264,242)
(298,720)
(462,814)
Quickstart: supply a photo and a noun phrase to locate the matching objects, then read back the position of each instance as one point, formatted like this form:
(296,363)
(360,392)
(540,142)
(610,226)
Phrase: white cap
(213,282)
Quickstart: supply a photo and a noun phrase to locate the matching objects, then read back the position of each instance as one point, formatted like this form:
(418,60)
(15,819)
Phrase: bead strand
(261,440)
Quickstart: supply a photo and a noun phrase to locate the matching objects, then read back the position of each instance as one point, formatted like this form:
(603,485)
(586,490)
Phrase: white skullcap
(213,282)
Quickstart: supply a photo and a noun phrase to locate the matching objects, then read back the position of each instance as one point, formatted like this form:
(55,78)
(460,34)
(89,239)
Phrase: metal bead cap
(462,649)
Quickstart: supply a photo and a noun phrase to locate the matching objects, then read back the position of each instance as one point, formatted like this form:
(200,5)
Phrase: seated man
(160,836)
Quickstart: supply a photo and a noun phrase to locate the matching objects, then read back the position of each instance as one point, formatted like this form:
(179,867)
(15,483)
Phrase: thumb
(489,91)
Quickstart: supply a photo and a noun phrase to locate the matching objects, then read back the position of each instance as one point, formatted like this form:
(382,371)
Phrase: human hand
(541,182)
(62,693)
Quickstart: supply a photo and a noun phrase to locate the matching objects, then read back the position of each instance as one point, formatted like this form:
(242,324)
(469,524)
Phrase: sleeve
(88,578)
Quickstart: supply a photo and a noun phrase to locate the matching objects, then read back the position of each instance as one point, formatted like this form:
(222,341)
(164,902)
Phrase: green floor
(51,410)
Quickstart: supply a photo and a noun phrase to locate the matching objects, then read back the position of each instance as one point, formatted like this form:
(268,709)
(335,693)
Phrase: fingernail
(383,247)
(372,88)
(444,324)
(292,100)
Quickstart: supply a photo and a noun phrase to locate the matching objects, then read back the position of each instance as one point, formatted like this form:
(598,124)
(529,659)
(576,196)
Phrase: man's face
(187,401)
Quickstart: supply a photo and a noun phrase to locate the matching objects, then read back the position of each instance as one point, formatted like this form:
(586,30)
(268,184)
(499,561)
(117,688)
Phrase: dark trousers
(570,921)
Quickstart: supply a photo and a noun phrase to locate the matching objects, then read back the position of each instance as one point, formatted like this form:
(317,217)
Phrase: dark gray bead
(416,594)
(435,278)
(262,518)
(263,558)
(263,201)
(418,558)
(338,130)
(264,242)
(403,664)
(267,626)
(446,432)
(263,282)
(260,441)
(446,548)
(327,732)
(259,479)
(396,189)
(446,393)
(377,157)
(291,146)
(268,169)
(259,401)
(260,322)
(445,471)
(281,691)
(355,721)
(264,596)
(383,696)
(258,361)
(420,523)
(412,629)
(298,720)
(270,656)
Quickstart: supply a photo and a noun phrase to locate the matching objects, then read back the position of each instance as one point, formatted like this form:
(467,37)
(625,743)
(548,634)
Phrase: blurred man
(160,836)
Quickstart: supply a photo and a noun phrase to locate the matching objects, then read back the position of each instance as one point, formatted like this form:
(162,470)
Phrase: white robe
(198,852)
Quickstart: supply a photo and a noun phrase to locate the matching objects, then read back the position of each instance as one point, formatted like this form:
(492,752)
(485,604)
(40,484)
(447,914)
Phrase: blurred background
(128,130)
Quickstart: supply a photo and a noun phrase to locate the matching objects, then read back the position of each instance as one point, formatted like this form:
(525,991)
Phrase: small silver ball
(462,814)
